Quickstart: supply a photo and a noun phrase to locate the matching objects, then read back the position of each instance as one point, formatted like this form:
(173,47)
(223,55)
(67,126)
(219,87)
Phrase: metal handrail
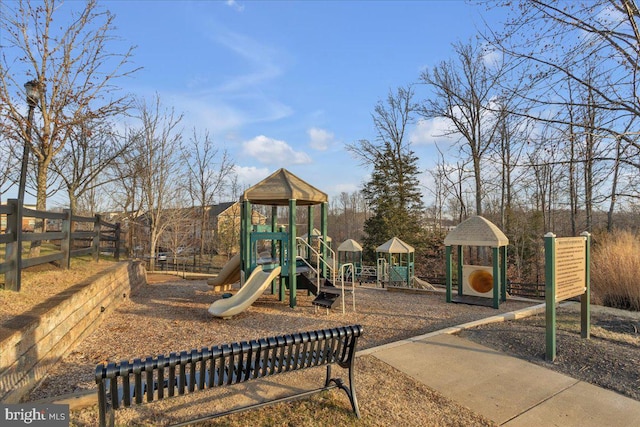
(319,258)
(315,271)
(353,282)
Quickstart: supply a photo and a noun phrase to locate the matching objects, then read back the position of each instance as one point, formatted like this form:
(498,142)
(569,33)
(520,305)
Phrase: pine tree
(393,192)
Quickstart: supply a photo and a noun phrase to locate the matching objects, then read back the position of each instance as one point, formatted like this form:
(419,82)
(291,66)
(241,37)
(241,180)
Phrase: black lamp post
(33,93)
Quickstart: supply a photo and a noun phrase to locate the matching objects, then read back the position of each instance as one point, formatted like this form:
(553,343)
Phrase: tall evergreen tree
(393,192)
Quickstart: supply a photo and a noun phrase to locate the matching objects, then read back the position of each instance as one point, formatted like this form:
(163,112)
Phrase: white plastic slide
(229,274)
(255,285)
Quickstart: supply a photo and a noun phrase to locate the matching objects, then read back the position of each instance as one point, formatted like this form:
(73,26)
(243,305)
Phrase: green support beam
(585,304)
(496,277)
(550,295)
(448,271)
(460,263)
(292,253)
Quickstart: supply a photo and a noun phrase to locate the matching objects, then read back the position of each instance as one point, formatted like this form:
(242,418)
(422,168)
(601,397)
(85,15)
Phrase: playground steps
(305,282)
(328,294)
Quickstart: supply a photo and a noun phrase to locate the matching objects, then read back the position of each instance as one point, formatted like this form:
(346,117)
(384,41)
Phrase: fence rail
(526,290)
(66,234)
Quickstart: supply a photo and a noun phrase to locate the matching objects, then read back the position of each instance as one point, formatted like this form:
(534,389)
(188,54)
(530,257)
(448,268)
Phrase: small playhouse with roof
(395,263)
(477,284)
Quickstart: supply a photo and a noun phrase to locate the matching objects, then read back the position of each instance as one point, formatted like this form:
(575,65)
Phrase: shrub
(615,270)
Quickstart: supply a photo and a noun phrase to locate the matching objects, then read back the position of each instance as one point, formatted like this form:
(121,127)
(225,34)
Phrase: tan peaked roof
(314,232)
(476,231)
(282,185)
(395,246)
(349,245)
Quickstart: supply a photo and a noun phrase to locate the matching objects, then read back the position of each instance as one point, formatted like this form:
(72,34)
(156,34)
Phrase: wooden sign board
(570,267)
(567,275)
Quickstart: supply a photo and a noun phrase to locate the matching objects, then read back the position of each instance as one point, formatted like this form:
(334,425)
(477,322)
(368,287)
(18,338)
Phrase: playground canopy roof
(395,246)
(281,186)
(476,231)
(349,245)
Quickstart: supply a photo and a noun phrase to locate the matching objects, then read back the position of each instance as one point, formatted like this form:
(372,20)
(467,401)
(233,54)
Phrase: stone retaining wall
(27,354)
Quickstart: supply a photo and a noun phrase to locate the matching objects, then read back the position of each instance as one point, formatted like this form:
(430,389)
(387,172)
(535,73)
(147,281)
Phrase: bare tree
(160,167)
(7,160)
(74,68)
(91,150)
(393,191)
(464,89)
(209,170)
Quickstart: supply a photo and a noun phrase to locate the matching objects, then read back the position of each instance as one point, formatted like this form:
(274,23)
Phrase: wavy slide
(255,285)
(229,274)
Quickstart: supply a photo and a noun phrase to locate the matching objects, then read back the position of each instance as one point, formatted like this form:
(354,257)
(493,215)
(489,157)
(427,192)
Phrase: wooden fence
(68,232)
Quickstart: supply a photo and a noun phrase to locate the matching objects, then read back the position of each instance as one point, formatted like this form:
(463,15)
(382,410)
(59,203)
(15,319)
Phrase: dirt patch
(609,359)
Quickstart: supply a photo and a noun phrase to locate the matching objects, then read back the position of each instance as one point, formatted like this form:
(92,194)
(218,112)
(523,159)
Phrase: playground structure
(301,262)
(350,256)
(477,284)
(307,262)
(395,261)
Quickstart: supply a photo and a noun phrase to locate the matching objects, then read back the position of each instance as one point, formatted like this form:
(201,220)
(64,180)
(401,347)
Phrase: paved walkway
(505,389)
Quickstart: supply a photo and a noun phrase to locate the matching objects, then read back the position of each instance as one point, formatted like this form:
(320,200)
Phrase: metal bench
(127,383)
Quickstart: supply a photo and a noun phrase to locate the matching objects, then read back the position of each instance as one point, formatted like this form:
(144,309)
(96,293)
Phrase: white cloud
(272,151)
(262,59)
(431,131)
(250,175)
(320,139)
(235,5)
(492,57)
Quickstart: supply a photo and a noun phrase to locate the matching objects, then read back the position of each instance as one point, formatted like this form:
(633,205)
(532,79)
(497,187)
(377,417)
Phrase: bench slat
(226,364)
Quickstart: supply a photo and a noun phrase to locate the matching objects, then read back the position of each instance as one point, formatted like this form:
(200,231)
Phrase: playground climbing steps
(308,283)
(327,295)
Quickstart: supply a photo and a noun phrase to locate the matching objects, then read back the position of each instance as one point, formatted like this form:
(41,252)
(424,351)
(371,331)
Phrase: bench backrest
(128,383)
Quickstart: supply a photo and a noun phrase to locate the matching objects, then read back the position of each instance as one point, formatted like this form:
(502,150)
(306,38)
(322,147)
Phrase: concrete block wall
(53,328)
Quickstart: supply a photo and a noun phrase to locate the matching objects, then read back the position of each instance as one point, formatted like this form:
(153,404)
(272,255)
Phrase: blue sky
(288,84)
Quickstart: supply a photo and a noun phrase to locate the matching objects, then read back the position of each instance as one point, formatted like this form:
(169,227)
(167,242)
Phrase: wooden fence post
(13,254)
(65,244)
(116,249)
(96,238)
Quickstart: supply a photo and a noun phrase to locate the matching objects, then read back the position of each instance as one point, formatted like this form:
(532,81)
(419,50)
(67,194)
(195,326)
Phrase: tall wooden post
(13,254)
(65,244)
(96,237)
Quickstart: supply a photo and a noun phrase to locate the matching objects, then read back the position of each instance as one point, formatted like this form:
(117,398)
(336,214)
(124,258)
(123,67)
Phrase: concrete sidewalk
(505,389)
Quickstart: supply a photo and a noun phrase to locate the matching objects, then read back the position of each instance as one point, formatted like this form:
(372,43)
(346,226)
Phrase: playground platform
(505,389)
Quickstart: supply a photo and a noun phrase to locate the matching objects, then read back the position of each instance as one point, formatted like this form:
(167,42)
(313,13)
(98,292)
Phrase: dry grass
(46,281)
(615,271)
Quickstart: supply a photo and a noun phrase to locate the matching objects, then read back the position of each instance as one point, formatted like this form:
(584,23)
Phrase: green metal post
(324,213)
(292,253)
(448,271)
(246,238)
(460,262)
(496,277)
(585,299)
(550,295)
(309,232)
(274,249)
(242,239)
(503,272)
